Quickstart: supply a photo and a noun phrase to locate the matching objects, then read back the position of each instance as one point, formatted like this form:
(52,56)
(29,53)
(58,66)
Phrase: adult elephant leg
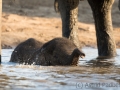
(103,24)
(69,14)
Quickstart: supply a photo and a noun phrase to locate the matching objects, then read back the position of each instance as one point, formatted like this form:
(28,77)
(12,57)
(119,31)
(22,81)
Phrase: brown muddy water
(85,76)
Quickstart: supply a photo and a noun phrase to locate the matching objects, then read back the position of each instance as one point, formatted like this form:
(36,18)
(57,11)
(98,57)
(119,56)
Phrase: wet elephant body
(24,51)
(59,51)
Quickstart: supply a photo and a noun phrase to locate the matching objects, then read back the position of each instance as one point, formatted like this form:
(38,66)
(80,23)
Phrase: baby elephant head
(75,56)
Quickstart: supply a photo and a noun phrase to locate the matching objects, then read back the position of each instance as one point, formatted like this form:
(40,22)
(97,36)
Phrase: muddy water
(86,76)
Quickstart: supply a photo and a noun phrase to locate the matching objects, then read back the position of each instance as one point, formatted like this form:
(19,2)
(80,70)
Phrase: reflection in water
(89,74)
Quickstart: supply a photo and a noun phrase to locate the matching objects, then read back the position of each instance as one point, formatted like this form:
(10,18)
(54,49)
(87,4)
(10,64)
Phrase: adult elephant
(102,15)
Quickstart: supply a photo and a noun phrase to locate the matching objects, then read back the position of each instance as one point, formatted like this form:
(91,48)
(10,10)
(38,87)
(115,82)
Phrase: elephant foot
(101,62)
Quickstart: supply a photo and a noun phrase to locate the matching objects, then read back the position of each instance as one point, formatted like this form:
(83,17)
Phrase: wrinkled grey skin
(59,51)
(103,23)
(69,12)
(24,51)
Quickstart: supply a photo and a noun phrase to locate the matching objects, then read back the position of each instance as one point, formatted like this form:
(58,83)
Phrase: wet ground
(86,76)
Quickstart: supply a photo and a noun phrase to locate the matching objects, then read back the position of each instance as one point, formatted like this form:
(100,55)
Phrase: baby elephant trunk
(75,56)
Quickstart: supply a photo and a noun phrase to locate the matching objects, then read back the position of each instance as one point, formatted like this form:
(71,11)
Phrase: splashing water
(84,76)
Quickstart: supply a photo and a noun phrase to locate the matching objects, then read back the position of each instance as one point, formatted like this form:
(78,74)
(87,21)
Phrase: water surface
(86,76)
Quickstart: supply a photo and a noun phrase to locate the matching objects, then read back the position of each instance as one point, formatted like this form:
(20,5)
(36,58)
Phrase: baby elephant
(24,50)
(59,51)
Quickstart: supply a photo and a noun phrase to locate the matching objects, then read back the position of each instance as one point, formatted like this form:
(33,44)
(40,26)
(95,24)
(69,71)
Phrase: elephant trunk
(69,14)
(74,58)
(103,24)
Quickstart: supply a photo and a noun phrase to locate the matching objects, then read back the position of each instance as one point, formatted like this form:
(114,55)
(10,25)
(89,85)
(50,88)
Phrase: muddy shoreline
(23,19)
